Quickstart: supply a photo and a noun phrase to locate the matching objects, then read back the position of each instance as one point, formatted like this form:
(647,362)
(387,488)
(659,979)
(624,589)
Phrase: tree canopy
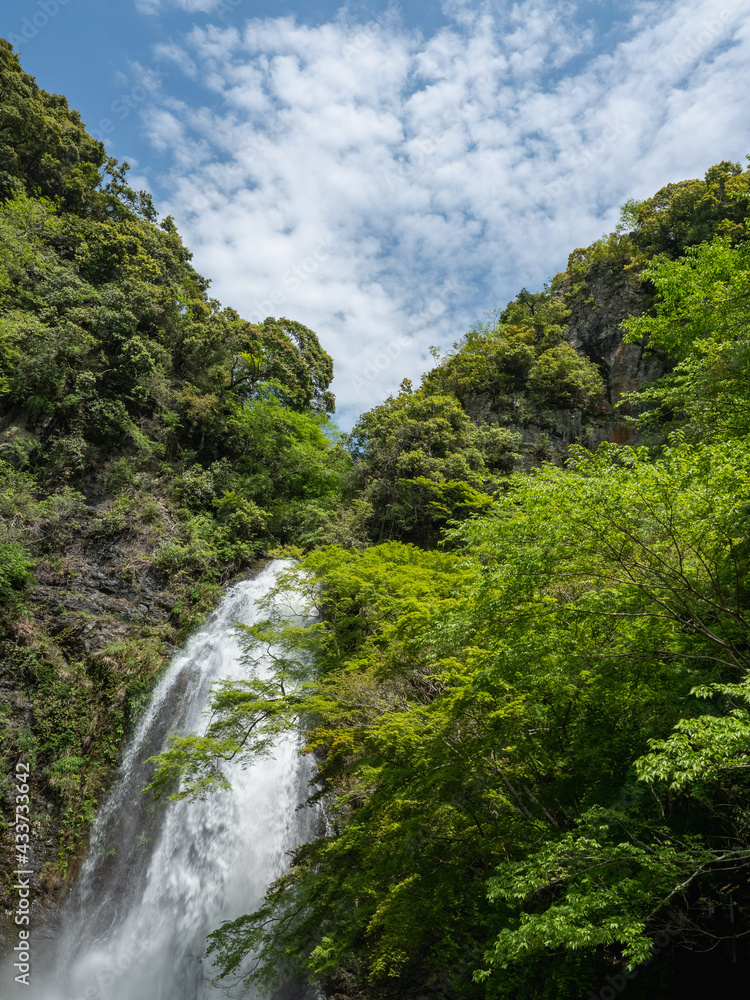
(531,737)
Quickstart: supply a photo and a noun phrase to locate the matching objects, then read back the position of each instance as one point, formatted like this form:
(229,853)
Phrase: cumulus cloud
(386,188)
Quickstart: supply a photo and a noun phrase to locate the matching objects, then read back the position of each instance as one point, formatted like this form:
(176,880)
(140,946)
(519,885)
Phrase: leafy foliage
(521,356)
(420,462)
(687,213)
(142,425)
(561,377)
(530,729)
(701,320)
(480,720)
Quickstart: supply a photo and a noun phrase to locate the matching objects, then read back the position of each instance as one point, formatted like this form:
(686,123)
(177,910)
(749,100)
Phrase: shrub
(563,379)
(15,571)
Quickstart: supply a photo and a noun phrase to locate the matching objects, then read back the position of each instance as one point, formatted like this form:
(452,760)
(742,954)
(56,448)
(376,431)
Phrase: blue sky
(386,173)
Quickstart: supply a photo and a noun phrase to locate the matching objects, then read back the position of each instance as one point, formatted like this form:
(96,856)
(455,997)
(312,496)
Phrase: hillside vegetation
(528,701)
(152,445)
(526,694)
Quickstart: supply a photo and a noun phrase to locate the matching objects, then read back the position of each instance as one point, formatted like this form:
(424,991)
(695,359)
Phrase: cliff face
(596,329)
(597,312)
(100,619)
(602,286)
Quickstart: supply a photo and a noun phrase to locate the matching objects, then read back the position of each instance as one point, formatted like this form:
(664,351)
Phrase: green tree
(690,212)
(480,723)
(420,462)
(701,321)
(563,378)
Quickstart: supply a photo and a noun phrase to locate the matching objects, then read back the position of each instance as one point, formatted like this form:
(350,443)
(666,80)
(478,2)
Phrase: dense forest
(525,688)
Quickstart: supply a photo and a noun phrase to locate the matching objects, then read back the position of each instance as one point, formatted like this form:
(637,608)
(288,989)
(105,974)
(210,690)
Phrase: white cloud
(190,6)
(385,189)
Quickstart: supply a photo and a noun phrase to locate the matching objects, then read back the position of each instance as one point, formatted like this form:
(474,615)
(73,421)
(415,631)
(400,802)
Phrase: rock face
(595,329)
(98,624)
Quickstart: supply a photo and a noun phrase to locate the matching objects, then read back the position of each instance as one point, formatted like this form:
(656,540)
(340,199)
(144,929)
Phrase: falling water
(158,878)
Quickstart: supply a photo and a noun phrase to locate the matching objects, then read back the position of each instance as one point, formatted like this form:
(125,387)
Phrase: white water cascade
(158,878)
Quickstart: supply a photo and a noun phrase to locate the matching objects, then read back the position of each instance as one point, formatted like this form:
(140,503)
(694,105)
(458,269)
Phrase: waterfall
(159,876)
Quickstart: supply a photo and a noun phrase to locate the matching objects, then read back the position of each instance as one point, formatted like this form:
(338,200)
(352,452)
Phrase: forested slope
(152,445)
(527,697)
(529,701)
(549,369)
